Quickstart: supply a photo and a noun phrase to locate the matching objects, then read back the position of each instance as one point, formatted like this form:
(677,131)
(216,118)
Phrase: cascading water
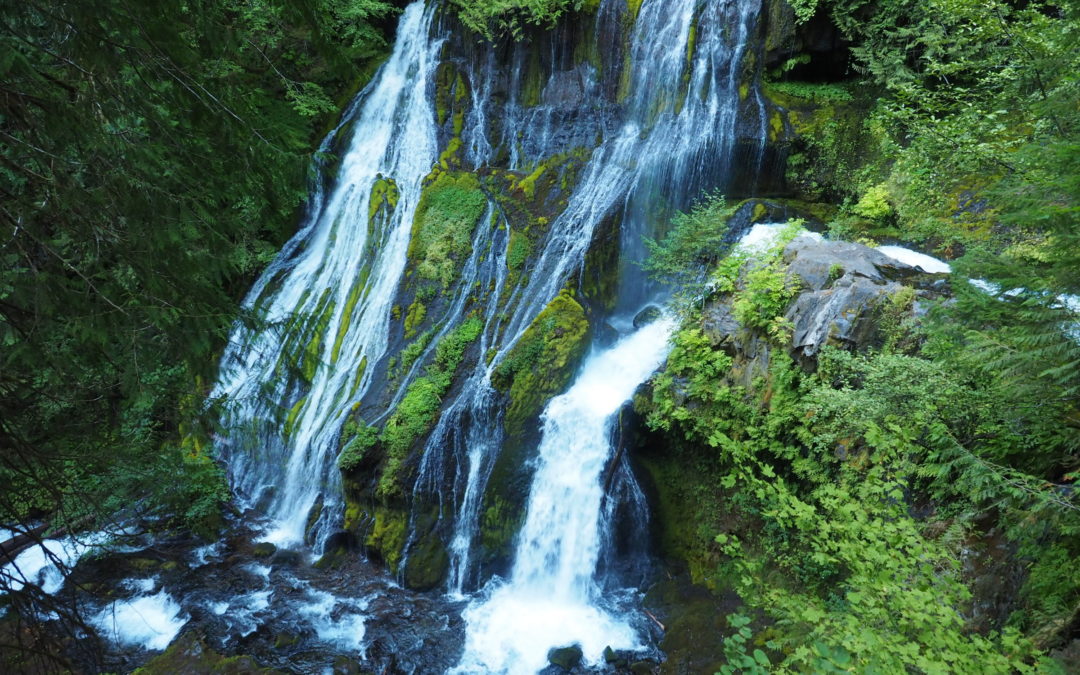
(325,303)
(552,597)
(676,138)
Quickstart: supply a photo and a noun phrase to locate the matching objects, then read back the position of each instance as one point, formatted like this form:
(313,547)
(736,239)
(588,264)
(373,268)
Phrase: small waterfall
(323,306)
(552,598)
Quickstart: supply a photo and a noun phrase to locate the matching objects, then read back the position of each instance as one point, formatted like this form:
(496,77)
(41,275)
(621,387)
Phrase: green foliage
(449,210)
(412,352)
(420,406)
(874,204)
(495,18)
(518,250)
(760,283)
(819,93)
(154,157)
(695,242)
(811,478)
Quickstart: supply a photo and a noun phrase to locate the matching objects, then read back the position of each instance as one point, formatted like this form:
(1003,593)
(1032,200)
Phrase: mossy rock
(388,535)
(450,207)
(565,657)
(542,363)
(694,621)
(263,550)
(190,654)
(427,564)
(500,521)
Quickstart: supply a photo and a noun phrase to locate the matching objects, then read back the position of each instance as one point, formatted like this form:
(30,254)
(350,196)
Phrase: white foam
(205,554)
(143,586)
(520,629)
(763,235)
(915,259)
(148,621)
(347,630)
(38,565)
(240,613)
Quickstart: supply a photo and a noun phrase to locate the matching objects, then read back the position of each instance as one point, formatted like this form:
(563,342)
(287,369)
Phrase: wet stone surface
(242,610)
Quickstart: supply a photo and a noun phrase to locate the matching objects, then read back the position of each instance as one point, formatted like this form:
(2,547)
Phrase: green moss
(189,654)
(759,214)
(449,210)
(388,535)
(346,319)
(633,8)
(449,158)
(412,352)
(528,184)
(312,356)
(414,317)
(744,91)
(419,408)
(356,449)
(498,525)
(360,370)
(384,195)
(542,363)
(294,414)
(533,86)
(518,250)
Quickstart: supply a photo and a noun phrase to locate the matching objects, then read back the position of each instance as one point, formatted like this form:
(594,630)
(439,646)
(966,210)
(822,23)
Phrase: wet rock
(338,549)
(844,283)
(647,316)
(426,566)
(644,668)
(843,286)
(263,550)
(610,656)
(286,640)
(693,618)
(565,657)
(287,558)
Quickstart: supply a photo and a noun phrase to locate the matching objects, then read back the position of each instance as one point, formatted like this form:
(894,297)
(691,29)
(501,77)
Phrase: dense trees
(152,158)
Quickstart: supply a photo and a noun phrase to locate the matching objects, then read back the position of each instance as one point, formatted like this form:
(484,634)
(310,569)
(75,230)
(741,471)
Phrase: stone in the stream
(264,550)
(643,668)
(565,657)
(647,316)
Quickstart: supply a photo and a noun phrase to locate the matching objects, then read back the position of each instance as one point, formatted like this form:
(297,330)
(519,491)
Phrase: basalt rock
(844,284)
(565,657)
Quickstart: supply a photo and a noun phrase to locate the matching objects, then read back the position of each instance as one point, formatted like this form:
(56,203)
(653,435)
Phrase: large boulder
(842,288)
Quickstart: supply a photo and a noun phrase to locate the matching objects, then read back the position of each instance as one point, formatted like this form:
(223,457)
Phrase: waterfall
(675,139)
(552,597)
(322,308)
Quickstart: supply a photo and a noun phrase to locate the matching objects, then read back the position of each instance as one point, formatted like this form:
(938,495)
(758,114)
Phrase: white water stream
(552,598)
(327,299)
